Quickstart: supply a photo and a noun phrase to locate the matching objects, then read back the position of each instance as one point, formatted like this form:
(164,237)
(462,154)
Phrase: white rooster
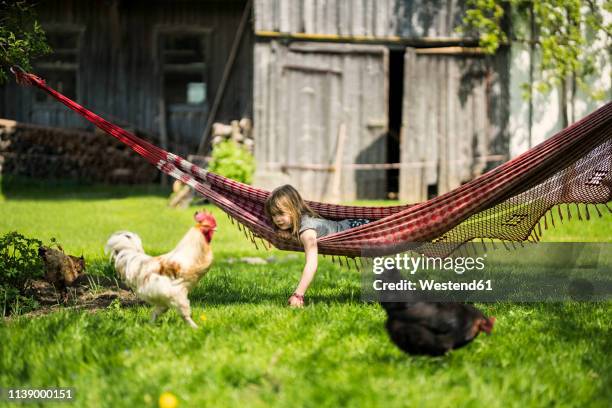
(164,281)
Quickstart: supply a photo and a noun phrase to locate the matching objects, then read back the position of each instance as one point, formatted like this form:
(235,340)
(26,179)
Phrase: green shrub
(19,262)
(14,303)
(232,160)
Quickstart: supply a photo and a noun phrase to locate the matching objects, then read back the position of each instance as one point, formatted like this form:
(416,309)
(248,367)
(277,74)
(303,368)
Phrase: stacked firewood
(240,131)
(55,153)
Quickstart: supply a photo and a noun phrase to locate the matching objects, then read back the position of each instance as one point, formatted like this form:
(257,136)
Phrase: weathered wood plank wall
(453,107)
(374,18)
(304,93)
(118,60)
(445,131)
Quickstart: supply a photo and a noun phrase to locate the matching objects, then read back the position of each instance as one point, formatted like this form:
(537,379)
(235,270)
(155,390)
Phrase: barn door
(333,102)
(184,86)
(444,139)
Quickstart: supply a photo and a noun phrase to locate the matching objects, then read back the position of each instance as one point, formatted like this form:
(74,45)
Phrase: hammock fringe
(484,246)
(539,226)
(256,246)
(586,209)
(598,212)
(253,241)
(552,217)
(266,244)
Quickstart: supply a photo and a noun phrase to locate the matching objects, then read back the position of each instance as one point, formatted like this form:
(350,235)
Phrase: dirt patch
(88,292)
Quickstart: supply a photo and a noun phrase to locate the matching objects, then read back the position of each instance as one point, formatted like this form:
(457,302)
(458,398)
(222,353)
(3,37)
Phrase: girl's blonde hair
(286,199)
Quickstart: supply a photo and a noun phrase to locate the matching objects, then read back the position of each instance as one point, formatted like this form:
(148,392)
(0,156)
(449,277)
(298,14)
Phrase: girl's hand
(296,301)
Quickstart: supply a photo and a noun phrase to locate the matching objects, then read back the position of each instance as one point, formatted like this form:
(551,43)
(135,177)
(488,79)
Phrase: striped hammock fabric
(512,202)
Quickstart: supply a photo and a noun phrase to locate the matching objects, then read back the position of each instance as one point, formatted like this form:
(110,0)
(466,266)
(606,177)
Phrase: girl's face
(282,220)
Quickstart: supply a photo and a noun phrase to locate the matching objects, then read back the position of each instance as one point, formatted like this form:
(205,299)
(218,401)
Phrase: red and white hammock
(512,202)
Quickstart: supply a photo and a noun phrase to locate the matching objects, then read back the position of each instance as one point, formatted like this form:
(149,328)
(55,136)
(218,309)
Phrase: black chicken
(434,328)
(431,328)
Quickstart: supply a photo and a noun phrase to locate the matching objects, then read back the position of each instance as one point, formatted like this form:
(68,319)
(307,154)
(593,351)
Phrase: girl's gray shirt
(322,226)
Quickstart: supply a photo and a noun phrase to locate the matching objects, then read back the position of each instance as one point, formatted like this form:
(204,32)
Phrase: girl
(292,217)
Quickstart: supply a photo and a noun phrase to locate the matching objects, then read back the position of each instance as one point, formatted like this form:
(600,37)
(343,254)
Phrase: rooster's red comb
(201,216)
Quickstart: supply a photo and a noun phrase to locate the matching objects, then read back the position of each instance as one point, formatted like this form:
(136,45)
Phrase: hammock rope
(506,203)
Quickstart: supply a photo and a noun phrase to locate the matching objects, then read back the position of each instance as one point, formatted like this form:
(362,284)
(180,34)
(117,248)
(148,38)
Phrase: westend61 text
(429,285)
(409,263)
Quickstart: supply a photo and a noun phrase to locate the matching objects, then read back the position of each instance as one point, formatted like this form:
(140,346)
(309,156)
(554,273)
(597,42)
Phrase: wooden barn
(350,99)
(371,99)
(155,66)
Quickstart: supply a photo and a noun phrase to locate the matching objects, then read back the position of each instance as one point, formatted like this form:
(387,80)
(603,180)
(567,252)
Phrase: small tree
(21,36)
(571,36)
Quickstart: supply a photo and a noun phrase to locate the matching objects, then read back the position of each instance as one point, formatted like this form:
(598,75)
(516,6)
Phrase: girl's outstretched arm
(309,240)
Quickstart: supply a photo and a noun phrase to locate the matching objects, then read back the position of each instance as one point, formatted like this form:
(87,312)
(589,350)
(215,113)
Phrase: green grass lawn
(252,350)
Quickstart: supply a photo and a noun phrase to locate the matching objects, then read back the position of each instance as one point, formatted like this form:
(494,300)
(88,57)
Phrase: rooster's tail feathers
(123,240)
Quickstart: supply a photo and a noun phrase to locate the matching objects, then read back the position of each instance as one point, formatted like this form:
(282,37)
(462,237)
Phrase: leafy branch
(571,37)
(21,37)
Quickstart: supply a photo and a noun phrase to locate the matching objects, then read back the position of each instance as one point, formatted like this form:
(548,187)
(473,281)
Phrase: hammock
(511,202)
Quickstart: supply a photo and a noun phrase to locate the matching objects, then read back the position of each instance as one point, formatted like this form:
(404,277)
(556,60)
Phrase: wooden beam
(205,140)
(305,68)
(335,48)
(369,166)
(450,51)
(334,193)
(57,66)
(409,42)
